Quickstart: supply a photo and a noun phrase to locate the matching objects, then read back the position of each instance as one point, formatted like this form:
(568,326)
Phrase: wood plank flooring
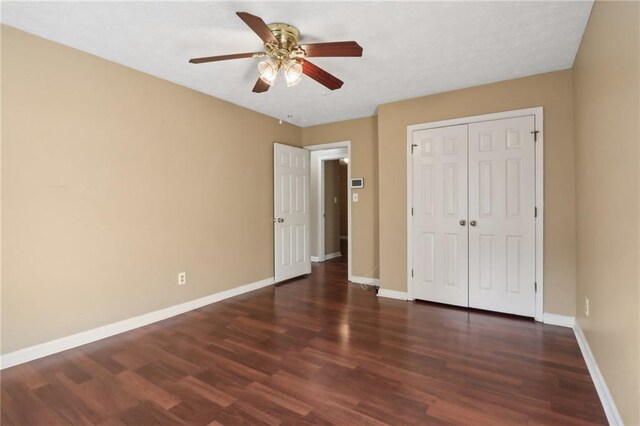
(313,351)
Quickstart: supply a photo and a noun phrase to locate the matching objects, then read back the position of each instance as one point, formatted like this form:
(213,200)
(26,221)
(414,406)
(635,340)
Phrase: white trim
(325,146)
(392,294)
(326,257)
(475,119)
(409,181)
(332,255)
(537,112)
(410,131)
(365,280)
(320,197)
(68,342)
(608,404)
(561,320)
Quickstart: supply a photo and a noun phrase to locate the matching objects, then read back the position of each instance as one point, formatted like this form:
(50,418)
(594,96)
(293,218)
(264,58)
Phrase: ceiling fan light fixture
(292,72)
(283,50)
(268,71)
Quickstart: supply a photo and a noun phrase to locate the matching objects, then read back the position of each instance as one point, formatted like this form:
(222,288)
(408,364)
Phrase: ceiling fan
(282,51)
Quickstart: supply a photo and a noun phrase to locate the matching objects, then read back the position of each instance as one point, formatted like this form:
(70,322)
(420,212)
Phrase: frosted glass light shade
(268,71)
(292,72)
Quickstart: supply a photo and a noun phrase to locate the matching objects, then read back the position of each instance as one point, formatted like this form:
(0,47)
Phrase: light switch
(354,197)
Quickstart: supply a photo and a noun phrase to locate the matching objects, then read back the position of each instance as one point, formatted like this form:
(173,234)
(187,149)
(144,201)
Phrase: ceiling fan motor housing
(287,36)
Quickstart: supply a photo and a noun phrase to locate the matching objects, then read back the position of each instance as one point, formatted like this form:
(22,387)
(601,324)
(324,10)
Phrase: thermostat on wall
(357,183)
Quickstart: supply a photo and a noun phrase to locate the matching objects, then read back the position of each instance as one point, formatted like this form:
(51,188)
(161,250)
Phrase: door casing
(537,113)
(334,151)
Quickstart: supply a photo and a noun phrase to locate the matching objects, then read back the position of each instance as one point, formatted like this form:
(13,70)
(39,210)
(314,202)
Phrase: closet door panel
(440,241)
(501,212)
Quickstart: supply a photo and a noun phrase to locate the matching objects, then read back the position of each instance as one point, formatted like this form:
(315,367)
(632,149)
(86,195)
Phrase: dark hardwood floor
(313,351)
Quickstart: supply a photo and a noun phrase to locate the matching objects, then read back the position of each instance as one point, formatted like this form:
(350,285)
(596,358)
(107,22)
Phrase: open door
(291,211)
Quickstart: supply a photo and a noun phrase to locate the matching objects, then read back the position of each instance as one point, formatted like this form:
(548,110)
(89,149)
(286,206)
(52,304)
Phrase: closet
(474,215)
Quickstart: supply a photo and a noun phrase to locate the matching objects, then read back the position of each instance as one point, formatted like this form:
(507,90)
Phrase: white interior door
(501,216)
(291,211)
(440,256)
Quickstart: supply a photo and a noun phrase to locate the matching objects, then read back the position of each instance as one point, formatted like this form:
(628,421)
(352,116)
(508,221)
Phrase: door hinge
(535,287)
(411,211)
(535,135)
(413,145)
(412,273)
(535,212)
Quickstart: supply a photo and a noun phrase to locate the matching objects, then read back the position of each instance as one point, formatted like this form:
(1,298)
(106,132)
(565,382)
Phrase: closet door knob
(463,222)
(472,223)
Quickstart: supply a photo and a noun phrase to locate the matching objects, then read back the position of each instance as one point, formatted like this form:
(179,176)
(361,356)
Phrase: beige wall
(114,181)
(553,91)
(363,134)
(331,208)
(607,134)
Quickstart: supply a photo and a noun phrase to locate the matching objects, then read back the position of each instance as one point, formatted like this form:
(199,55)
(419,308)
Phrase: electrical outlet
(586,306)
(182,278)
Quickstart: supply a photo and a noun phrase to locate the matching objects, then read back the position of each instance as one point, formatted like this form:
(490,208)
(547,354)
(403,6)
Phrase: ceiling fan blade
(223,57)
(338,48)
(260,86)
(321,76)
(258,26)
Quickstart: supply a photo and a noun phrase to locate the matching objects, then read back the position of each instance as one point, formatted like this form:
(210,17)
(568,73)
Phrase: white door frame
(537,112)
(320,196)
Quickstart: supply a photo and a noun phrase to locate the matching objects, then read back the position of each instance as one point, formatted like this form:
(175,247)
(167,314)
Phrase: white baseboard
(561,320)
(609,406)
(326,257)
(392,294)
(58,345)
(364,280)
(332,255)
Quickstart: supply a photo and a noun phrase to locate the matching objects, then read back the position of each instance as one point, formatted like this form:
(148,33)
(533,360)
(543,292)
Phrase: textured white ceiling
(410,48)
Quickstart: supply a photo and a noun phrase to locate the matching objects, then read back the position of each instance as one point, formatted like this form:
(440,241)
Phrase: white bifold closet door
(440,265)
(502,206)
(473,218)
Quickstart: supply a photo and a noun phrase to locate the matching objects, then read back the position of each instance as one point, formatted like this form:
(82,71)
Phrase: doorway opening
(343,197)
(330,198)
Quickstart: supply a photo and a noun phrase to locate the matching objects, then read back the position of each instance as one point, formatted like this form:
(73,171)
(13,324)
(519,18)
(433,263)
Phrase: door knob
(463,222)
(472,223)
